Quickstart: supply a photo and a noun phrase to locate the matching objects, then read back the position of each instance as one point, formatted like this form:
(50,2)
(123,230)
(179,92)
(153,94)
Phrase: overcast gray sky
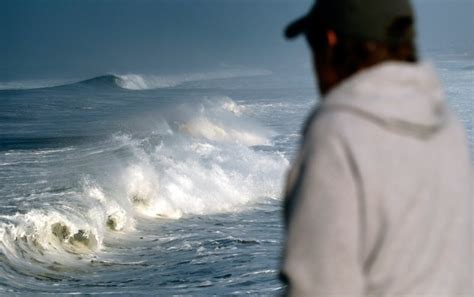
(83,38)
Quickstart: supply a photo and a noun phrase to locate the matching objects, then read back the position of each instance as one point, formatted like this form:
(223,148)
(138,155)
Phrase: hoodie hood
(405,97)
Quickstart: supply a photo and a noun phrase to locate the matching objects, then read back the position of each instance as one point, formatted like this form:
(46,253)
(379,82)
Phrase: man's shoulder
(324,122)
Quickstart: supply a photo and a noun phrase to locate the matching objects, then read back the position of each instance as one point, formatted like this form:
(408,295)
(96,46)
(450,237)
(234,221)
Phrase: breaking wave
(199,159)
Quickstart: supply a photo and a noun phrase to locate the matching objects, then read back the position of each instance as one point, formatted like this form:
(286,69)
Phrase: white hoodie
(380,199)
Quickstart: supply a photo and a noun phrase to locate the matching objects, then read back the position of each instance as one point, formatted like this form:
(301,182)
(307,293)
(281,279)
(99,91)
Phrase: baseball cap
(374,20)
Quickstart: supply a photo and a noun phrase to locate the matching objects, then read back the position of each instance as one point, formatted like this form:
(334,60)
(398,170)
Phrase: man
(379,199)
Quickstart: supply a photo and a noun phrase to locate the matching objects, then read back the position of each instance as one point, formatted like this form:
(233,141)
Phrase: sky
(85,38)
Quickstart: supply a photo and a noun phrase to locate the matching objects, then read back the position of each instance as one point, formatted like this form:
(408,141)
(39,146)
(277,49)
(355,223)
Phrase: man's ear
(331,38)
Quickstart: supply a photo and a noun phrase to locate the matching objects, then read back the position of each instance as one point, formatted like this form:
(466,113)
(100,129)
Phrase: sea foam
(207,165)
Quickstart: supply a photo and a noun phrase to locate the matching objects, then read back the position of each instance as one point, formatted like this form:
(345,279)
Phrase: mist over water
(144,145)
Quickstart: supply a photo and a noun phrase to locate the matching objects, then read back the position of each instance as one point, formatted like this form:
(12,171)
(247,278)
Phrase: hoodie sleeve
(322,252)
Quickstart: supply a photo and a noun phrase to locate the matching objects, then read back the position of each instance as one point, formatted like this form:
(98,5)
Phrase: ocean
(157,185)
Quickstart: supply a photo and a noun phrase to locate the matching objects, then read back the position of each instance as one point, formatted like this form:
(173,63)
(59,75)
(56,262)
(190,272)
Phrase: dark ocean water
(134,184)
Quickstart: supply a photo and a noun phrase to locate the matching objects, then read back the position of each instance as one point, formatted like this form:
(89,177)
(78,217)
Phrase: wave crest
(49,237)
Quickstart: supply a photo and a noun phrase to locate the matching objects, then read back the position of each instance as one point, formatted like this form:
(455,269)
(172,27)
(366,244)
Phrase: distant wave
(136,81)
(129,81)
(103,80)
(147,82)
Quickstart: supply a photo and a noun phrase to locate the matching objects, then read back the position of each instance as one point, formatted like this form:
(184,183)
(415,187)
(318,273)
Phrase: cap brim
(297,27)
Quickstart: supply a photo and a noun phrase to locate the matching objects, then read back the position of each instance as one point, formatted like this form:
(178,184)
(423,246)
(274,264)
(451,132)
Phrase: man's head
(346,36)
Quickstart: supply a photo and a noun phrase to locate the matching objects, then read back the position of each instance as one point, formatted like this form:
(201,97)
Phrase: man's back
(383,187)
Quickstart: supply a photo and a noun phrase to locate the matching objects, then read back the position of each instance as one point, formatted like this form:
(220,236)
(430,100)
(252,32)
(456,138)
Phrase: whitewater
(127,184)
